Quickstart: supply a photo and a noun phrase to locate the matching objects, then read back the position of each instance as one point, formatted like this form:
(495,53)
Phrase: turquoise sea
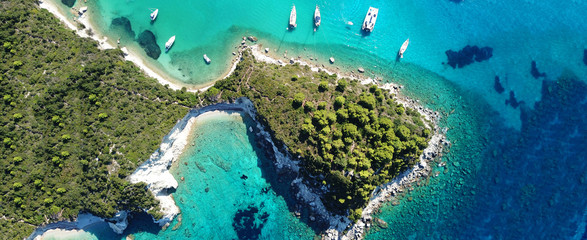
(517,167)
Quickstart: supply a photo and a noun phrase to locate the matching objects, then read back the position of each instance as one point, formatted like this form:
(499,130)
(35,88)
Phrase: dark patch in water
(468,55)
(534,71)
(244,177)
(148,42)
(585,56)
(513,101)
(124,23)
(497,85)
(248,222)
(68,3)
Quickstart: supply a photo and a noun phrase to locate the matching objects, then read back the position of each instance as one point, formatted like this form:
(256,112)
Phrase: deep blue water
(517,165)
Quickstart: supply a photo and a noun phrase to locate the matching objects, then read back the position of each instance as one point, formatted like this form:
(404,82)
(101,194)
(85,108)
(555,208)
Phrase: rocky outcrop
(119,222)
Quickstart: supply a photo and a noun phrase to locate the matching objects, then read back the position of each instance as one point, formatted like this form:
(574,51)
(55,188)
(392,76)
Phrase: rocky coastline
(155,171)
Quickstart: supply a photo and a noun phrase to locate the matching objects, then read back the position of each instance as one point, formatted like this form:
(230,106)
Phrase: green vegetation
(357,138)
(74,122)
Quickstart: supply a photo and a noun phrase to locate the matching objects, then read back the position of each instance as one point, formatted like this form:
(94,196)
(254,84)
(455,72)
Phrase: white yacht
(169,43)
(370,19)
(207,59)
(154,14)
(292,17)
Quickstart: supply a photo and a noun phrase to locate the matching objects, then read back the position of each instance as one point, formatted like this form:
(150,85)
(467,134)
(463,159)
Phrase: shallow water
(226,193)
(507,176)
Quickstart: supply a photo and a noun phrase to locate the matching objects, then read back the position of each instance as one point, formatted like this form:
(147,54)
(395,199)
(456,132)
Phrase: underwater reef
(468,55)
(148,42)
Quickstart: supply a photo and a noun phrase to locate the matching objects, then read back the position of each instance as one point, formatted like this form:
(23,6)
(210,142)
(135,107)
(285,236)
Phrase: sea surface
(516,116)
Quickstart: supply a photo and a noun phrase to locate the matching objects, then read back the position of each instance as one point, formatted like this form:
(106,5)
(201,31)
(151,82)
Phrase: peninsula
(79,120)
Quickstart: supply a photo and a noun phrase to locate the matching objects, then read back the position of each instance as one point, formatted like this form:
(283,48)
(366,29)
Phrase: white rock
(120,222)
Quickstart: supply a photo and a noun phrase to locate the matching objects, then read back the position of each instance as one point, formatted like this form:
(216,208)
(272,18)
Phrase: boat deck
(370,19)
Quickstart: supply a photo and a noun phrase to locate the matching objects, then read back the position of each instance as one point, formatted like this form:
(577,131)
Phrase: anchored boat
(154,14)
(169,43)
(292,17)
(403,48)
(207,59)
(370,19)
(317,19)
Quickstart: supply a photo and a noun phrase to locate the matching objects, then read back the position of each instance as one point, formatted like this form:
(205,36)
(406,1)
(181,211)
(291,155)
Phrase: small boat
(331,60)
(317,19)
(370,19)
(207,59)
(154,14)
(403,48)
(169,43)
(292,17)
(349,23)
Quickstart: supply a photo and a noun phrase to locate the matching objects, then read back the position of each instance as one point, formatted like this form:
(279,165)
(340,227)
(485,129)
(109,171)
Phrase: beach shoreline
(105,43)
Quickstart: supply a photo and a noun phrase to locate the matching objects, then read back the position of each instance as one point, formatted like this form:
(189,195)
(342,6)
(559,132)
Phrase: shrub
(341,85)
(298,100)
(339,102)
(323,86)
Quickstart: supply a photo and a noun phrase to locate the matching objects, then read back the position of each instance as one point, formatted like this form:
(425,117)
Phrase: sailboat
(169,43)
(154,14)
(292,17)
(403,48)
(317,19)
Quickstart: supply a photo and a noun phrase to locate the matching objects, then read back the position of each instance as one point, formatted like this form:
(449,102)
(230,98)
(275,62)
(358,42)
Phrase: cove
(227,190)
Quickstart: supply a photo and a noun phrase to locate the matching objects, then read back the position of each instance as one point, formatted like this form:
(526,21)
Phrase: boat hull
(317,18)
(293,17)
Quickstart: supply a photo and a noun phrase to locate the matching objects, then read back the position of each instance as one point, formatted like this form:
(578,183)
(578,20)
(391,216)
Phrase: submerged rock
(380,222)
(513,101)
(497,85)
(123,23)
(468,55)
(247,223)
(534,71)
(148,42)
(68,3)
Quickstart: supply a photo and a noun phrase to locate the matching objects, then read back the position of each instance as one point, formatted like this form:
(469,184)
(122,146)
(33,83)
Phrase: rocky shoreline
(155,171)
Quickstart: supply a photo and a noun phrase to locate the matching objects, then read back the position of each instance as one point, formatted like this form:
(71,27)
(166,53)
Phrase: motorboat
(154,14)
(403,48)
(169,43)
(207,59)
